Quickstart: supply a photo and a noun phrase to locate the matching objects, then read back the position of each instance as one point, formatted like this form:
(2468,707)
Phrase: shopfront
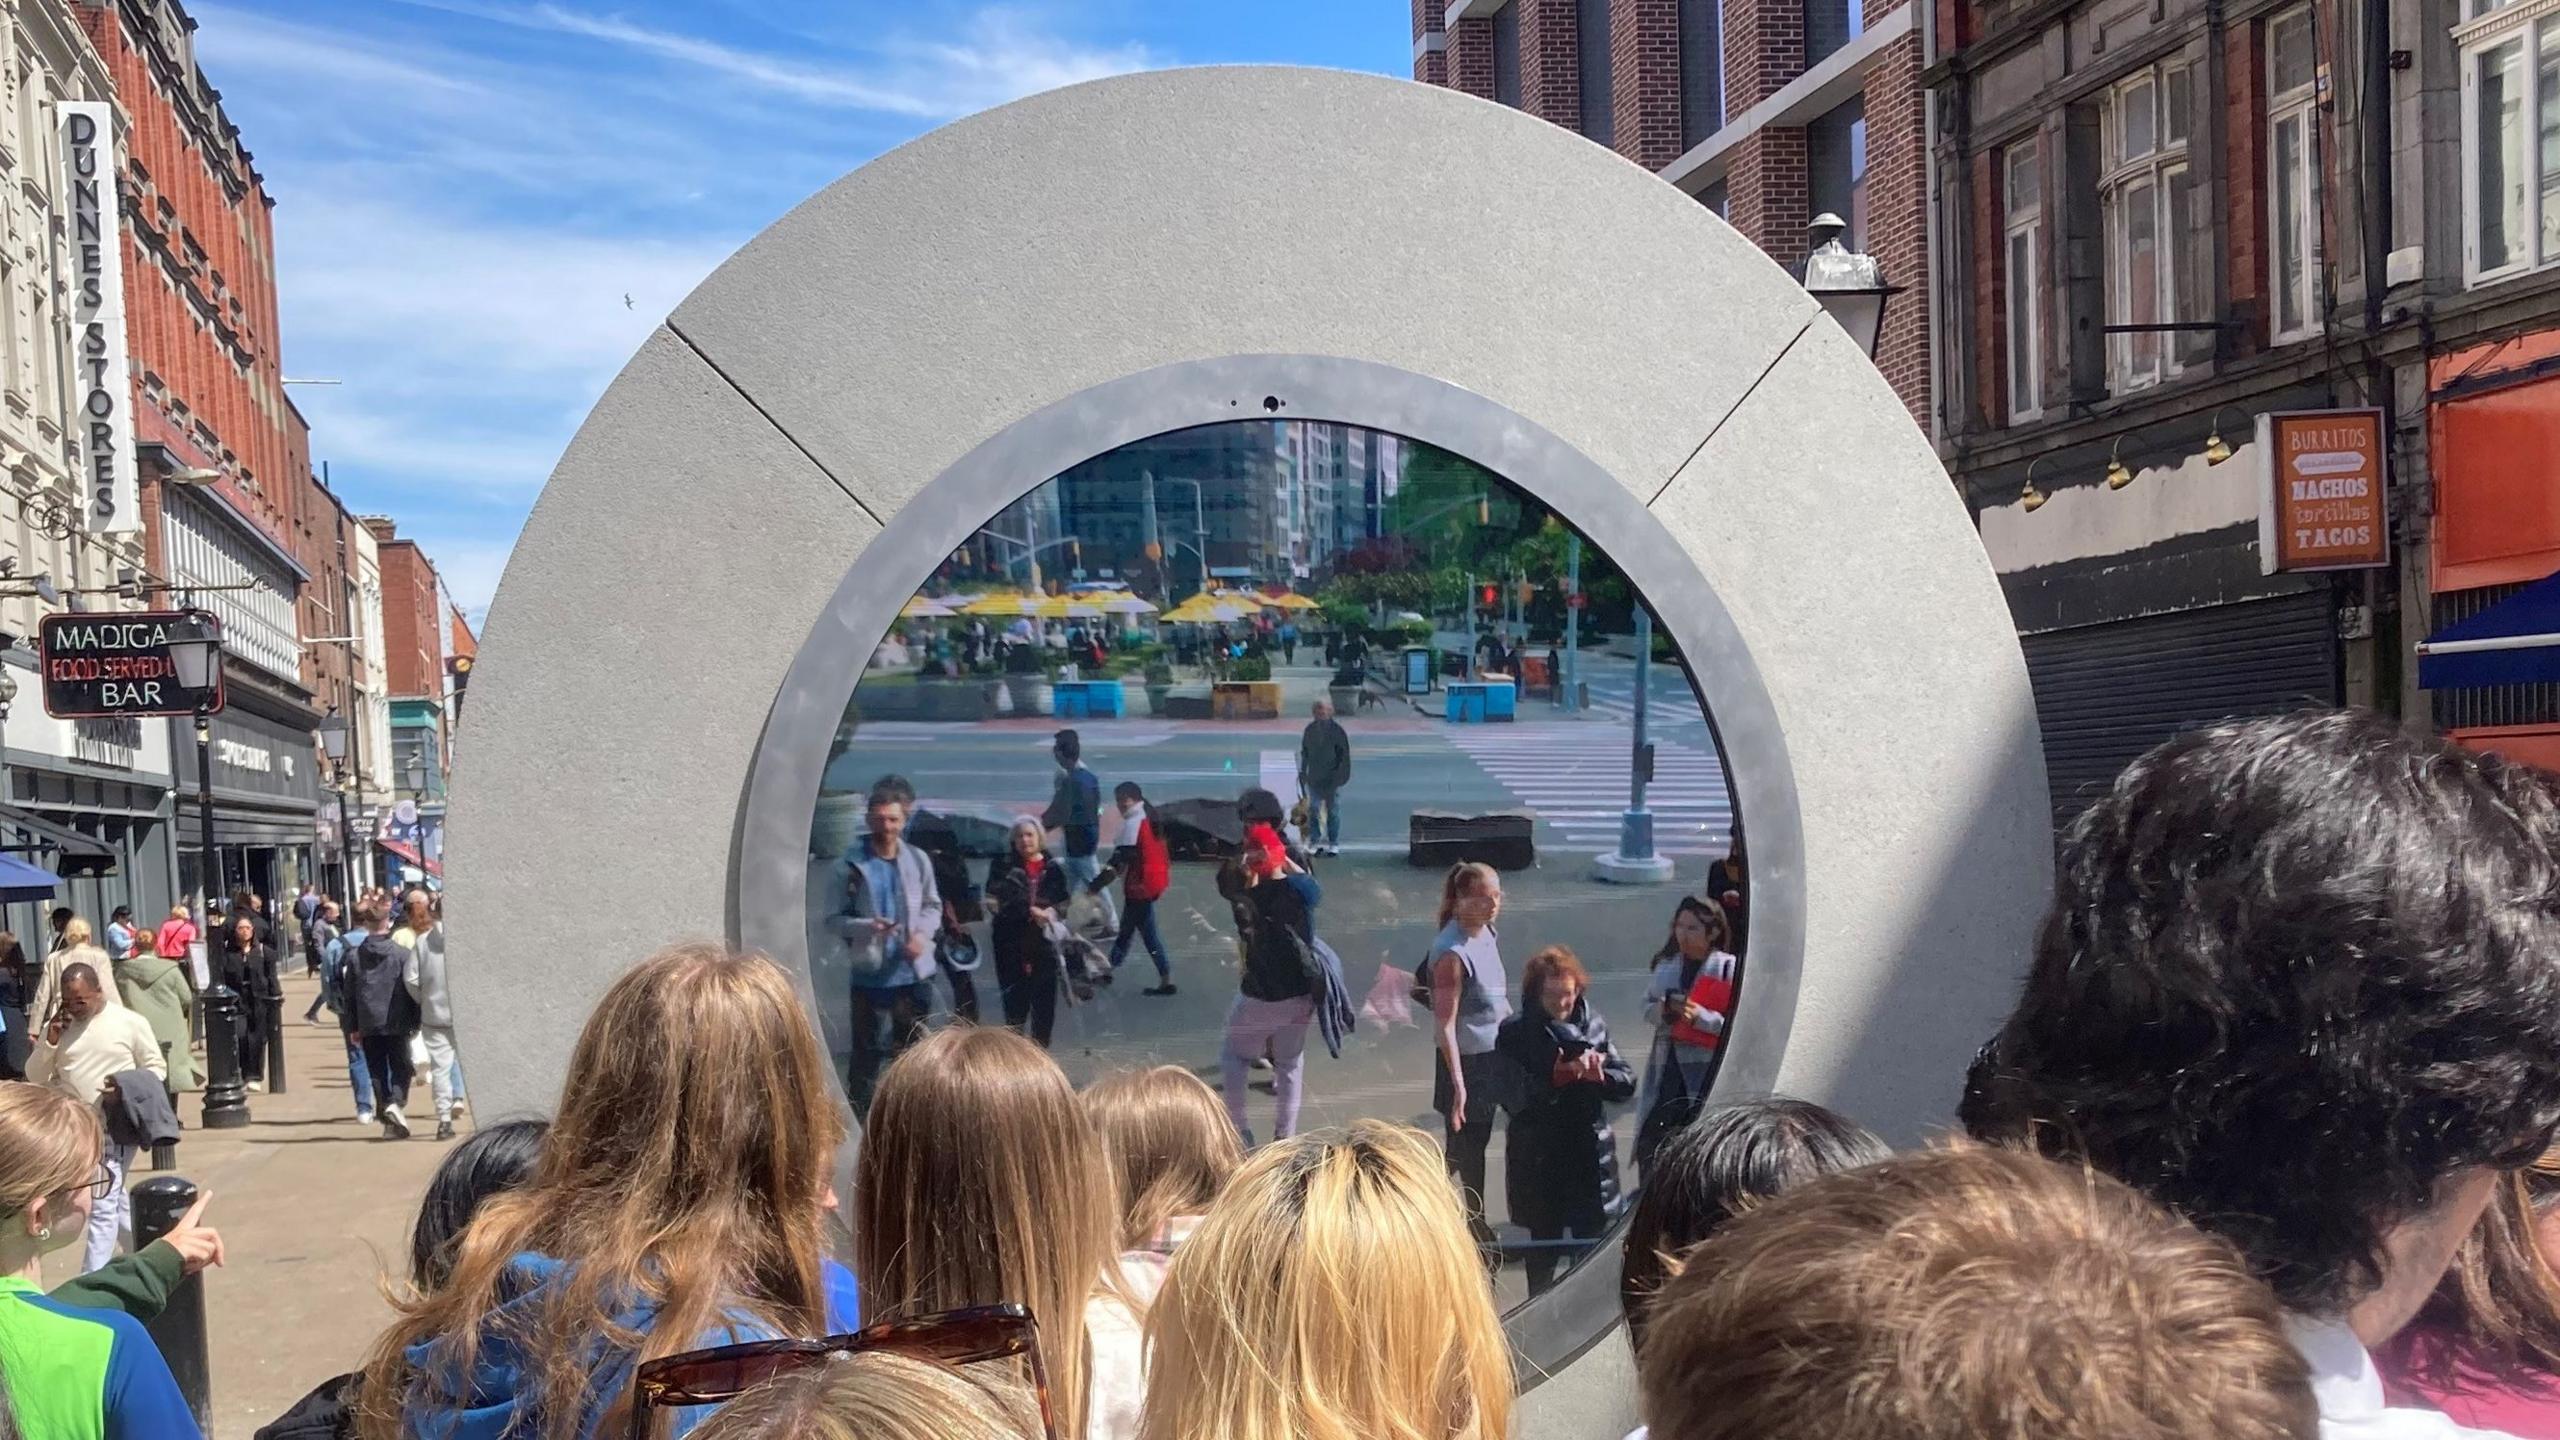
(266,798)
(89,801)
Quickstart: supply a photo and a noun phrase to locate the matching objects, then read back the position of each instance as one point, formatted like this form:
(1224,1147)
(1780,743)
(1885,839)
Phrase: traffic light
(1487,597)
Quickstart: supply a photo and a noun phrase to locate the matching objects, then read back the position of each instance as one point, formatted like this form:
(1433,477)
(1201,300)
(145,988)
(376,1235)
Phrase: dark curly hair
(2297,972)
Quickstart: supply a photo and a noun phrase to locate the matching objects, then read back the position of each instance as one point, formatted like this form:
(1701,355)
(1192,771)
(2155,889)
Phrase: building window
(1506,55)
(1701,71)
(2143,202)
(2510,140)
(1836,153)
(1829,25)
(2293,174)
(1719,198)
(1591,41)
(2022,208)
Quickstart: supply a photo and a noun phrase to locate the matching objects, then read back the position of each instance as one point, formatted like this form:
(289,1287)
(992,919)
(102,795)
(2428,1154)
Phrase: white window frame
(2157,167)
(2536,30)
(2297,107)
(2022,218)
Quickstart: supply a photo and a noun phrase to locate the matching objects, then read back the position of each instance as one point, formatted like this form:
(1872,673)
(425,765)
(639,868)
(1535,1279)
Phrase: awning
(2514,642)
(408,854)
(22,881)
(23,832)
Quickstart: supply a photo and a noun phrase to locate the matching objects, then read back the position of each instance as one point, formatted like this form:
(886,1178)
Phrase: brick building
(414,637)
(2160,223)
(1768,111)
(234,520)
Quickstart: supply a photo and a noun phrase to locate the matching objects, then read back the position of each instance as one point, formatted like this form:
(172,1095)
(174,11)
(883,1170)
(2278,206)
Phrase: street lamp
(195,654)
(8,696)
(1850,285)
(333,744)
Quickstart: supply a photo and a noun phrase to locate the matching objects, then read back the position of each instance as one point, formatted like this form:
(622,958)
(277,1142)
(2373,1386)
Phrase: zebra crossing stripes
(1671,704)
(1575,780)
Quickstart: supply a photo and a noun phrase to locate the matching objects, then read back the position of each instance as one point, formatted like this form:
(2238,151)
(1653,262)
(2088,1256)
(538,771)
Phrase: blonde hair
(49,1142)
(686,1170)
(179,911)
(981,1181)
(1969,1294)
(1333,1293)
(1171,1146)
(880,1396)
(1467,877)
(75,931)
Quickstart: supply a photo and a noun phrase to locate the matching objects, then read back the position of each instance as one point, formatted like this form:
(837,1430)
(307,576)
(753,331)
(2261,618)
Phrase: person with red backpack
(1147,866)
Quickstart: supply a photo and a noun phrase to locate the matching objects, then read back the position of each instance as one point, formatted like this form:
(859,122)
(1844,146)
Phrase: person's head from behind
(1698,929)
(146,945)
(2300,982)
(1722,1163)
(75,931)
(418,910)
(176,912)
(1334,1289)
(1976,1293)
(50,1146)
(1068,747)
(496,1159)
(80,993)
(369,915)
(688,1164)
(1552,983)
(62,917)
(329,911)
(1171,1146)
(886,816)
(1128,796)
(1470,895)
(981,1180)
(877,1395)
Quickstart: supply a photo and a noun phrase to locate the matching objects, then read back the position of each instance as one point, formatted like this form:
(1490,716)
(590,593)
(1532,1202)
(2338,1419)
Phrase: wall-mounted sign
(2321,491)
(101,388)
(101,665)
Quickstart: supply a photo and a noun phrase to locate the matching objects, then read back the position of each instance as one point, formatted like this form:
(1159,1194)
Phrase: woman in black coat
(1028,890)
(247,964)
(1561,1165)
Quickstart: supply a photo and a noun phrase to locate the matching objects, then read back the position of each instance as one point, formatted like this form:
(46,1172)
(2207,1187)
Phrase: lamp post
(1635,863)
(1850,285)
(195,653)
(8,697)
(333,744)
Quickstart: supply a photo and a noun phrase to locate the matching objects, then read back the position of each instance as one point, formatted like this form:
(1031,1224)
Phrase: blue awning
(22,881)
(2514,642)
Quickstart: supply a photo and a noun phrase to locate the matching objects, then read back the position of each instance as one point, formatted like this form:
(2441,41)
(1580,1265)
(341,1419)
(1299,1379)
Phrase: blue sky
(468,190)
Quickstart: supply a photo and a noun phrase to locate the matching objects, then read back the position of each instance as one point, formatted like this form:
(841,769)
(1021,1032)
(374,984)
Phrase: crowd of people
(2263,1151)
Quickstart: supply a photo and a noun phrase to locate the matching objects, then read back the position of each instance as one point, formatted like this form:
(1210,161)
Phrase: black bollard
(158,1205)
(273,1000)
(226,1100)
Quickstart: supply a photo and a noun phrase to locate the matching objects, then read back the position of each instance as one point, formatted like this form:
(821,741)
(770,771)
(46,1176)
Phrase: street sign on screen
(117,664)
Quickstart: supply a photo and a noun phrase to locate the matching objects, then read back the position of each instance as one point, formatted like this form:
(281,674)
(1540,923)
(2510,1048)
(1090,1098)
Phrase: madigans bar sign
(104,391)
(102,665)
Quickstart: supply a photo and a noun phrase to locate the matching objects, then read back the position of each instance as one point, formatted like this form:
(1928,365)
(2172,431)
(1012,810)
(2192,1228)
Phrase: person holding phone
(1689,997)
(1561,1166)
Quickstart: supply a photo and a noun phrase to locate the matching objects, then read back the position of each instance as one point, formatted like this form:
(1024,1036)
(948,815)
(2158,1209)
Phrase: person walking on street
(1029,890)
(1728,885)
(119,934)
(1148,870)
(960,906)
(337,962)
(178,934)
(248,966)
(1688,998)
(1275,903)
(1288,642)
(317,937)
(76,949)
(424,978)
(888,912)
(306,905)
(385,1017)
(89,1043)
(1324,767)
(157,989)
(1075,811)
(1470,998)
(1560,1165)
(16,989)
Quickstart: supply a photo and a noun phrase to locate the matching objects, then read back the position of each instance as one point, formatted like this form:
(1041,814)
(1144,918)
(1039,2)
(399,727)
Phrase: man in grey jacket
(888,911)
(1324,767)
(422,932)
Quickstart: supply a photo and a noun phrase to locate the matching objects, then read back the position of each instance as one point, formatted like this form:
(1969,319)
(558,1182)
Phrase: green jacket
(138,1284)
(157,990)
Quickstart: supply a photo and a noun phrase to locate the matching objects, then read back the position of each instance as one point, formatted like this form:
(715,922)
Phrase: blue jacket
(501,1396)
(1075,810)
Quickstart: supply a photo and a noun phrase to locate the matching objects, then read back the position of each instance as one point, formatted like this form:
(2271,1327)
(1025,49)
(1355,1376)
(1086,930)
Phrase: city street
(1377,910)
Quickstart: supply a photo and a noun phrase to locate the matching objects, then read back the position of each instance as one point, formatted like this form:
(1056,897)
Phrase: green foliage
(1159,673)
(1025,660)
(1251,667)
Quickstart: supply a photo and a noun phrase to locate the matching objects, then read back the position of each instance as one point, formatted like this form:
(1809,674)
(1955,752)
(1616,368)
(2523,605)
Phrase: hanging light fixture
(2118,476)
(2031,499)
(1850,286)
(2216,449)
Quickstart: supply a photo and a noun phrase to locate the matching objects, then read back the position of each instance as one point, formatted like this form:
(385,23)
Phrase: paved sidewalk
(314,1212)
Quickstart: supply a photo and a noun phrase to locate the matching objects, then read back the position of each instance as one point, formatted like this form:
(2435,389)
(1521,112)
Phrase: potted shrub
(1346,687)
(1159,686)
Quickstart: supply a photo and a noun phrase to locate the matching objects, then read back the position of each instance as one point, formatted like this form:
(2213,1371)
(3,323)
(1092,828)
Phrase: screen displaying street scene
(1329,767)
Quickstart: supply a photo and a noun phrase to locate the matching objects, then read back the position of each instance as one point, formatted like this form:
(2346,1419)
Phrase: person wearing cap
(1275,903)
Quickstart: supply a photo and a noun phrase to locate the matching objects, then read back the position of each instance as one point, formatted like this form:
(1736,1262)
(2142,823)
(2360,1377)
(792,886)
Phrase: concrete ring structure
(925,340)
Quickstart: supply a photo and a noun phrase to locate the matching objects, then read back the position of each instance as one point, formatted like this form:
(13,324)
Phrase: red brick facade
(412,616)
(1767,177)
(1430,55)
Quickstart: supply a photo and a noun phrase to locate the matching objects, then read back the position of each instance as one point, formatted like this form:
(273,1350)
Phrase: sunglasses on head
(951,1337)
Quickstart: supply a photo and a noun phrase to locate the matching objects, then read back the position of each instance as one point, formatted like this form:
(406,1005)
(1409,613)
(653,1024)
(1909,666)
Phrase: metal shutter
(2107,693)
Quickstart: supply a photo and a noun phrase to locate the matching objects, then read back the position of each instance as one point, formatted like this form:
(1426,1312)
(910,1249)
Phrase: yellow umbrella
(1291,601)
(1066,607)
(1002,602)
(924,607)
(1200,609)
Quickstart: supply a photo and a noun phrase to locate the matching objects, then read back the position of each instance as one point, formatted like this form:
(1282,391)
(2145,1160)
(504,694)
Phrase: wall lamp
(2216,449)
(2031,499)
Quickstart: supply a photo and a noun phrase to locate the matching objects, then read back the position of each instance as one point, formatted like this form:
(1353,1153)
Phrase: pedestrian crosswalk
(1576,781)
(1668,698)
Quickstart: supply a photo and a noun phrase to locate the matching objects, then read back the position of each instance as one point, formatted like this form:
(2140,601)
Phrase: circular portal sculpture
(781,465)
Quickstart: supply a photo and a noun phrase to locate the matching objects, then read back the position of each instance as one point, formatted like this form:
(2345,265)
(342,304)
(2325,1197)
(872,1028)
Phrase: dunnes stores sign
(115,665)
(102,387)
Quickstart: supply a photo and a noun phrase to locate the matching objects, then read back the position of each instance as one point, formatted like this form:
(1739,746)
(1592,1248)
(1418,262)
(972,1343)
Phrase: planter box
(1157,695)
(1245,700)
(1346,699)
